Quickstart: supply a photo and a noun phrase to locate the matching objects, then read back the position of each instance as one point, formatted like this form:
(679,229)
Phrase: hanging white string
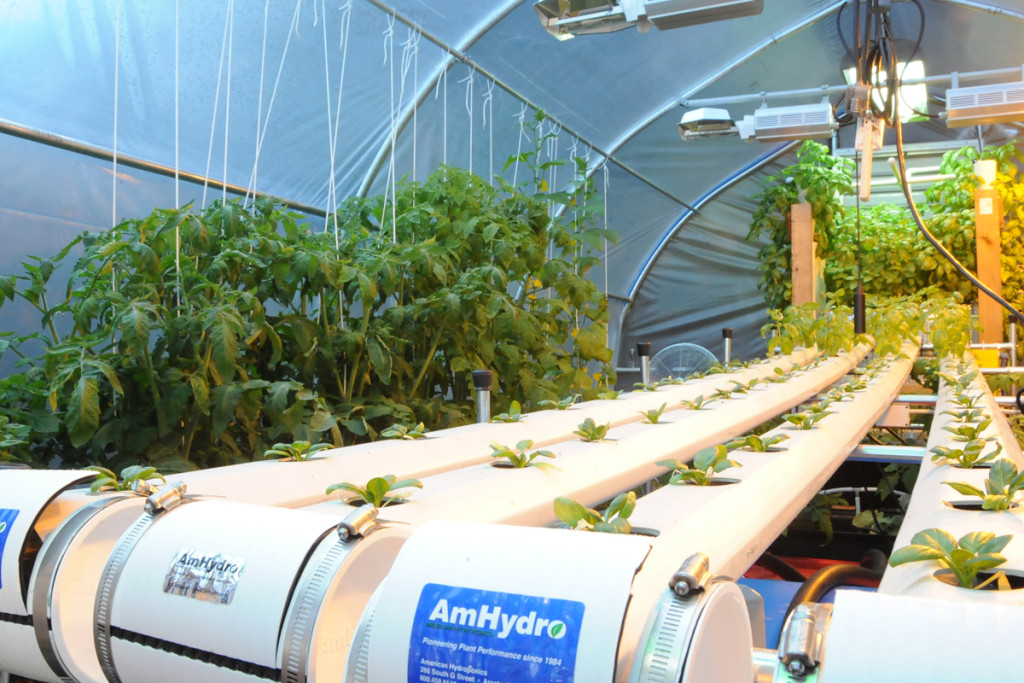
(409,49)
(216,104)
(117,71)
(550,139)
(519,144)
(468,80)
(487,114)
(604,200)
(262,133)
(330,122)
(389,61)
(259,101)
(346,19)
(227,98)
(444,113)
(177,188)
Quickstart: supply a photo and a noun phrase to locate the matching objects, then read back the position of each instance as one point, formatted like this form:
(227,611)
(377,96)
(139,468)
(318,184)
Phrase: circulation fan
(680,361)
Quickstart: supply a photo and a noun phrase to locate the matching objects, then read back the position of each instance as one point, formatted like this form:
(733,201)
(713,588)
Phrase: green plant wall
(199,338)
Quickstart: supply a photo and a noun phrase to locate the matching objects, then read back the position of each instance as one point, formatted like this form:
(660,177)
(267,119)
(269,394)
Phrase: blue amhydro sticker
(478,636)
(7,518)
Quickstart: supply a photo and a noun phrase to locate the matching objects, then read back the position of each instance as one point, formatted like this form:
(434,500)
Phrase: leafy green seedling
(779,375)
(696,404)
(400,431)
(966,401)
(806,420)
(975,552)
(1001,487)
(640,386)
(297,451)
(963,383)
(721,394)
(738,387)
(610,395)
(106,480)
(705,465)
(969,432)
(377,489)
(821,407)
(591,431)
(562,403)
(756,443)
(520,456)
(613,521)
(652,416)
(968,415)
(514,414)
(717,369)
(968,456)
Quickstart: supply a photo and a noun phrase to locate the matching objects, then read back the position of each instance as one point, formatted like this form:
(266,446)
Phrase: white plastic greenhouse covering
(295,97)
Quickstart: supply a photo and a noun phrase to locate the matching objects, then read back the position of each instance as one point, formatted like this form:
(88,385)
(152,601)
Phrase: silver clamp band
(45,571)
(163,500)
(309,598)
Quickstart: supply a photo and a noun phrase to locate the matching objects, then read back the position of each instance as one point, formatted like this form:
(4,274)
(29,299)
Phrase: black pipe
(1020,400)
(825,579)
(778,566)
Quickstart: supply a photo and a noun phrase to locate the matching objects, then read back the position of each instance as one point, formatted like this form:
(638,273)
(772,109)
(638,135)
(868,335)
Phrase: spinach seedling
(738,387)
(968,415)
(575,515)
(520,456)
(377,489)
(640,386)
(610,395)
(756,443)
(705,465)
(696,404)
(106,480)
(806,420)
(514,414)
(1001,487)
(400,431)
(562,403)
(975,552)
(296,451)
(721,394)
(966,457)
(969,432)
(591,431)
(966,401)
(652,416)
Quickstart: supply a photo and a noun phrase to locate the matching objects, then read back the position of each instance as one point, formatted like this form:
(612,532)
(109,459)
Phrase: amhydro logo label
(493,619)
(7,517)
(478,636)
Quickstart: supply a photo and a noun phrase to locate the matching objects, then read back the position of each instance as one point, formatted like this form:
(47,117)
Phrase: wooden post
(808,270)
(988,217)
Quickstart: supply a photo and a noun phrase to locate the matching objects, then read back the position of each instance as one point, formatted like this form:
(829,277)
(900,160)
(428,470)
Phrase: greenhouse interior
(460,326)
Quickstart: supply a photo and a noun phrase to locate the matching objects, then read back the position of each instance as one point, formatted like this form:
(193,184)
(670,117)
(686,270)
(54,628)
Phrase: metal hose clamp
(359,522)
(692,575)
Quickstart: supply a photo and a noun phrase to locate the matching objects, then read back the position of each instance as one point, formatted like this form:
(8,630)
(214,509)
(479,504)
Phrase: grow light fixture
(706,122)
(985,104)
(565,19)
(799,122)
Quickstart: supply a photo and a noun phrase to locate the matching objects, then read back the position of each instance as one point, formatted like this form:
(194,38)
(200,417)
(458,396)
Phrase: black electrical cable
(778,566)
(946,254)
(1020,400)
(870,569)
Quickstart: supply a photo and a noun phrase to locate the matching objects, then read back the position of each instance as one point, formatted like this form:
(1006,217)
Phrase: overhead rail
(762,96)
